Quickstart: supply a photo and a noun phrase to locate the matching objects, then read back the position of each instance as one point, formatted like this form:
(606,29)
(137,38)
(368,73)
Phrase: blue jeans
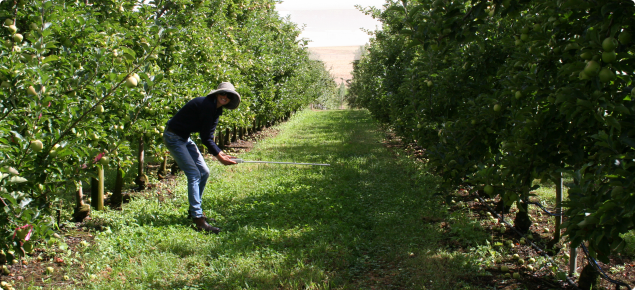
(190,160)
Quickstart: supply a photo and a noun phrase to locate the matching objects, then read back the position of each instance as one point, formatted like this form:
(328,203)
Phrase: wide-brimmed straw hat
(234,97)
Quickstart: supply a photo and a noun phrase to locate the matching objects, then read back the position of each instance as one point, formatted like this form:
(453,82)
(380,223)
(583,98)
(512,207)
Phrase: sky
(331,22)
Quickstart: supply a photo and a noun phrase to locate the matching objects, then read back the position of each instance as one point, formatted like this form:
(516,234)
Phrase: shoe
(202,225)
(211,220)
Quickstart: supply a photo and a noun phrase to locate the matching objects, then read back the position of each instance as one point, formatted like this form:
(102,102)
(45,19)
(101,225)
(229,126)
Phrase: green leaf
(50,59)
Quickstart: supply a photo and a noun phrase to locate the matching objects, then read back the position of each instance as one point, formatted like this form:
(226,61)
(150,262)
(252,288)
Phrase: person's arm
(207,136)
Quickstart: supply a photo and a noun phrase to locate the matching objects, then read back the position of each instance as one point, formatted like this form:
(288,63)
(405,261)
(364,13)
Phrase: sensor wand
(239,160)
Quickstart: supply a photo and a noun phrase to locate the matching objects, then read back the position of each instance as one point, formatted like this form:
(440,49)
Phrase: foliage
(69,74)
(501,93)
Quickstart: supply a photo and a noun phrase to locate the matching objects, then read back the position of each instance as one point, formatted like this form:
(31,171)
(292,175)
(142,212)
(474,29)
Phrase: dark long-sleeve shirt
(198,115)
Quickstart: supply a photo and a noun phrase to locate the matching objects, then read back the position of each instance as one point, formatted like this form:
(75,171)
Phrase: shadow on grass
(352,223)
(361,222)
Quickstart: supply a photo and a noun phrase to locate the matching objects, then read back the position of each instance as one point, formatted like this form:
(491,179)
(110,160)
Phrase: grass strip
(370,220)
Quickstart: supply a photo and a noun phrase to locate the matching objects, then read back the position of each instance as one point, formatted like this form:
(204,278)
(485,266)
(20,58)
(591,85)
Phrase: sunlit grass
(358,223)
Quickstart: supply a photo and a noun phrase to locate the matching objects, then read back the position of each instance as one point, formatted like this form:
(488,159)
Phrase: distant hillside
(339,59)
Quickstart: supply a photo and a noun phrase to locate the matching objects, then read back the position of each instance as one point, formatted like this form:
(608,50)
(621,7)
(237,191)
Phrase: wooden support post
(559,186)
(573,261)
(97,199)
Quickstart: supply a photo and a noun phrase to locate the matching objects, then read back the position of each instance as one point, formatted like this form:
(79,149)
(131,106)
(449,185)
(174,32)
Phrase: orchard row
(503,93)
(87,84)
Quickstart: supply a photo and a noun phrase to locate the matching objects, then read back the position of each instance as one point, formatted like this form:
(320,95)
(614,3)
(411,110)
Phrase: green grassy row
(368,220)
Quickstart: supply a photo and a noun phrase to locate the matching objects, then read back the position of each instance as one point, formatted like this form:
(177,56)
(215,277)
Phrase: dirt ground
(542,231)
(339,59)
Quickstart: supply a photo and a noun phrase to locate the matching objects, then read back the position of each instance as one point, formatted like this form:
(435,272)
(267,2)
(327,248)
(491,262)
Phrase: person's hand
(226,155)
(225,159)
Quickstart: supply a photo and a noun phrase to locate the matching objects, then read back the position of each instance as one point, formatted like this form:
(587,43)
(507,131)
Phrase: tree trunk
(227,137)
(588,278)
(117,195)
(221,139)
(174,169)
(94,188)
(522,221)
(81,210)
(163,170)
(142,179)
(501,208)
(235,134)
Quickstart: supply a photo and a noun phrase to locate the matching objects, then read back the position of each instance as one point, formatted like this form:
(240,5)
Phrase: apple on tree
(36,145)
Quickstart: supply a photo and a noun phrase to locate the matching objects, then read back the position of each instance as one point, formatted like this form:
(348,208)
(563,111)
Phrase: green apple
(591,69)
(518,95)
(624,37)
(504,268)
(524,37)
(12,29)
(104,160)
(609,56)
(497,108)
(488,189)
(531,260)
(31,91)
(100,109)
(516,275)
(18,37)
(516,256)
(587,55)
(36,145)
(606,75)
(8,22)
(49,270)
(609,44)
(131,82)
